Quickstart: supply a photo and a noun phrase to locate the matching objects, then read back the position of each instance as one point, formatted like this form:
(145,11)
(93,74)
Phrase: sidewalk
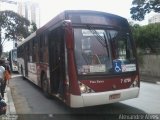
(9,100)
(11,111)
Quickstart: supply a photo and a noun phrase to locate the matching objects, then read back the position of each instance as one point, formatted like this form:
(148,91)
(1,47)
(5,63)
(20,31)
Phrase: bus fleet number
(127,80)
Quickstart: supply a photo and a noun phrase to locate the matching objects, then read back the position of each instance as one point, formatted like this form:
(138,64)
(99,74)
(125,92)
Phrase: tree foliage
(33,27)
(147,36)
(14,27)
(5,55)
(142,7)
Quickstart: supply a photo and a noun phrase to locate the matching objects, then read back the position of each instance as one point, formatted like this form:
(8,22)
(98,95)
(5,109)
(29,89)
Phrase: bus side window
(45,49)
(27,51)
(33,51)
(30,51)
(40,49)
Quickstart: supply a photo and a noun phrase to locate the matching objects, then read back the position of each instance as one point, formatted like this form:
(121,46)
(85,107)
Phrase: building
(26,8)
(29,10)
(8,5)
(154,19)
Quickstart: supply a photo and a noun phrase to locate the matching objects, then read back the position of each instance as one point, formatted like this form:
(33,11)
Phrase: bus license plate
(114,96)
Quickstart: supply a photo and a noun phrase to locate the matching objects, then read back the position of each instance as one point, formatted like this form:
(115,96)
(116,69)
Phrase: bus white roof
(28,38)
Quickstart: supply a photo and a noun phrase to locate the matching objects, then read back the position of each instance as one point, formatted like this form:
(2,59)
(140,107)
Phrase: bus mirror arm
(66,23)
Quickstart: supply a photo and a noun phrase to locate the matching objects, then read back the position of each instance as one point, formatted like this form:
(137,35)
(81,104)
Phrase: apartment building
(29,10)
(26,8)
(154,19)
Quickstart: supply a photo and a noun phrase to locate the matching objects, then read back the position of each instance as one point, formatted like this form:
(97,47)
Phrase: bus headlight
(84,88)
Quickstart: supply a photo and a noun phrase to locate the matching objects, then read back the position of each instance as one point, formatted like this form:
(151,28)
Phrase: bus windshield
(14,55)
(103,51)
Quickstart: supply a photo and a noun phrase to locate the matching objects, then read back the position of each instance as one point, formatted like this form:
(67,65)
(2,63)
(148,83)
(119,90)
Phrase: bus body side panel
(42,68)
(32,73)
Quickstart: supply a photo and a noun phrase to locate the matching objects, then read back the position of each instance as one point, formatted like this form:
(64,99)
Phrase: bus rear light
(84,88)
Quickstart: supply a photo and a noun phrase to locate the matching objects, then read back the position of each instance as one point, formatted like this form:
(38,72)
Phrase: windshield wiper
(94,32)
(106,44)
(102,41)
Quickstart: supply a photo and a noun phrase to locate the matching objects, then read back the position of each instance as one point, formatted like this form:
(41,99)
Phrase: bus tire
(45,86)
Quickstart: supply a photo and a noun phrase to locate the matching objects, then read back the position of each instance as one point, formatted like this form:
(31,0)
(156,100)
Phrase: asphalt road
(31,103)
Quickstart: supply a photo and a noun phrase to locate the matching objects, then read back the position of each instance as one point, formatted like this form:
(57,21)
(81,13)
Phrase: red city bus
(13,60)
(82,57)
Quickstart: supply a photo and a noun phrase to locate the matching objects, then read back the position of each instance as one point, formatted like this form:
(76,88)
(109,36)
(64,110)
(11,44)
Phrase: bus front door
(56,61)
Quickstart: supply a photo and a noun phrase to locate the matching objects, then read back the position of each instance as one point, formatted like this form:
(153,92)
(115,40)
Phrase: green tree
(33,27)
(142,7)
(14,27)
(5,55)
(136,31)
(147,36)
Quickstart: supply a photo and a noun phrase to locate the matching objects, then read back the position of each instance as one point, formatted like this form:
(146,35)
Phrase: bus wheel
(45,86)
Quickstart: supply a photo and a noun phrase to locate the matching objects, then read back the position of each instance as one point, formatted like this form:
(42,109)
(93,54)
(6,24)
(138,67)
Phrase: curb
(150,80)
(9,100)
(158,83)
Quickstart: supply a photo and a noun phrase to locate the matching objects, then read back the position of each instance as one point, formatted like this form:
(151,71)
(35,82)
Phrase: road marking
(13,76)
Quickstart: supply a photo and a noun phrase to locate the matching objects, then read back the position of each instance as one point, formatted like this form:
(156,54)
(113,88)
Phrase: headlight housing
(84,88)
(135,82)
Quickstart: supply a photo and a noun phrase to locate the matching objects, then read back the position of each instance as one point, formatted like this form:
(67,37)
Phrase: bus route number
(127,80)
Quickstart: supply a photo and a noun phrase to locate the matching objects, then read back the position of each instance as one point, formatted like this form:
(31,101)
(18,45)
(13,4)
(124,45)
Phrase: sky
(50,8)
